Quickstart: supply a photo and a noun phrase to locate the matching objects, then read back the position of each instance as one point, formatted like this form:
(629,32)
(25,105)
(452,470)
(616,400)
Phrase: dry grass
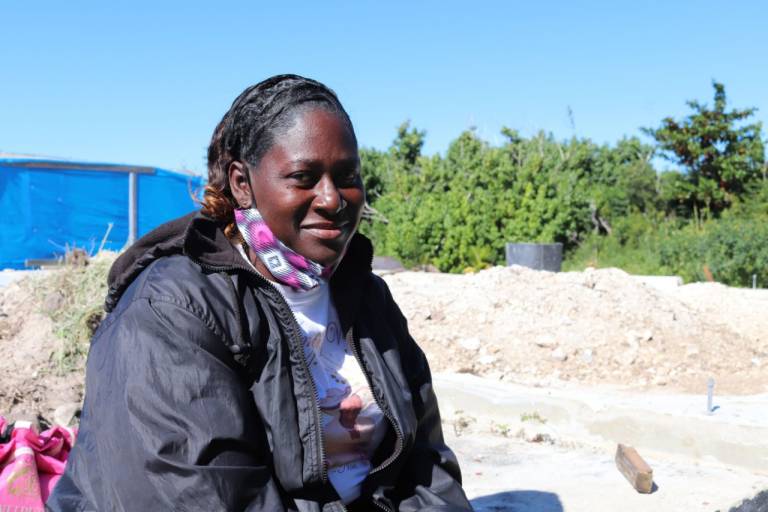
(73,297)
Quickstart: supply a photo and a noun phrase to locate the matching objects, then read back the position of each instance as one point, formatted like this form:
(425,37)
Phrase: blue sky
(145,82)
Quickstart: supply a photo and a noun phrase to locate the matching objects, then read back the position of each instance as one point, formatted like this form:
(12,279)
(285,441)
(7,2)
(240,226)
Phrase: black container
(536,256)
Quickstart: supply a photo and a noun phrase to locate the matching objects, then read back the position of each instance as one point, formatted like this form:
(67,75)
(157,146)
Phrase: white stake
(710,391)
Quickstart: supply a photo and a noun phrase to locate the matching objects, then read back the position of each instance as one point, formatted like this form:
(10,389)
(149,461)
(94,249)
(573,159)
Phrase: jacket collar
(202,239)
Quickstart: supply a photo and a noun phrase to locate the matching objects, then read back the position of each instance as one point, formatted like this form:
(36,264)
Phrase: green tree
(376,169)
(718,152)
(406,148)
(621,182)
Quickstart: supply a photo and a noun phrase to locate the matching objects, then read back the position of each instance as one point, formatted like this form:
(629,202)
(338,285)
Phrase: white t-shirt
(353,425)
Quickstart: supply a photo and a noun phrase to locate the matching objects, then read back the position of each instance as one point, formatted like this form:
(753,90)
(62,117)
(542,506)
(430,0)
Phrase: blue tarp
(44,209)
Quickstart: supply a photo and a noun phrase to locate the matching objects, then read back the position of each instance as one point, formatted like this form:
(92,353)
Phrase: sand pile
(46,321)
(31,382)
(596,326)
(507,323)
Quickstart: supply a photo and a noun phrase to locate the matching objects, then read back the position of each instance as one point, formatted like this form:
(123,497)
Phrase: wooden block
(634,468)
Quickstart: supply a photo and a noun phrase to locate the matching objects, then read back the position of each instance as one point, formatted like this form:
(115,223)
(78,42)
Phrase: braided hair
(249,129)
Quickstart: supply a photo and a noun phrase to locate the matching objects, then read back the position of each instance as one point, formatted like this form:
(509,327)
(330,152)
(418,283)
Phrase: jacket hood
(202,239)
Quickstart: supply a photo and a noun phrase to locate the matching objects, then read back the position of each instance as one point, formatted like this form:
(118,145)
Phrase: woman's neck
(258,264)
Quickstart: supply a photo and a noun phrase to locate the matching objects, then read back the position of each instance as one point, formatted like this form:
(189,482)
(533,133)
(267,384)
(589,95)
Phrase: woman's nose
(328,196)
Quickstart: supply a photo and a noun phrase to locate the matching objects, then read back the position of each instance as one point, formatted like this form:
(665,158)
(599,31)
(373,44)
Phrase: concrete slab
(676,424)
(700,461)
(510,475)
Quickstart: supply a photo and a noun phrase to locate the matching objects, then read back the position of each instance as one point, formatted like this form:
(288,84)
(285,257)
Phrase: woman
(250,359)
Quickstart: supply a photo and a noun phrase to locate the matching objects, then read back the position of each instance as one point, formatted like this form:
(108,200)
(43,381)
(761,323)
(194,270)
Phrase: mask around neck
(287,266)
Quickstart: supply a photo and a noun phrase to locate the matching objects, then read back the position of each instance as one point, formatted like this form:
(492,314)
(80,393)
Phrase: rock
(472,344)
(487,359)
(633,338)
(53,302)
(586,355)
(65,414)
(546,343)
(437,315)
(691,351)
(558,355)
(626,358)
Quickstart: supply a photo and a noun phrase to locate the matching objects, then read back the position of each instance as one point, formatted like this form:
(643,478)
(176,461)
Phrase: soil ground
(539,376)
(31,384)
(601,327)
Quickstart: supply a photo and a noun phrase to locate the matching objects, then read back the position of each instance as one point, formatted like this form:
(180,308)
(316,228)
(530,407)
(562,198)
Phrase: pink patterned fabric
(287,266)
(31,464)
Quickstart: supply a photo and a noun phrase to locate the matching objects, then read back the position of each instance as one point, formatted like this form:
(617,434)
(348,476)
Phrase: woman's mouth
(326,230)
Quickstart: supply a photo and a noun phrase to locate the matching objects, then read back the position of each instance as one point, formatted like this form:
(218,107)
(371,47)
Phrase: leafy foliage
(458,211)
(730,251)
(605,203)
(720,156)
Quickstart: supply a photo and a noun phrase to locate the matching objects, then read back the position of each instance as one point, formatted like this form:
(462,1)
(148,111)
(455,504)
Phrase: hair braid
(249,128)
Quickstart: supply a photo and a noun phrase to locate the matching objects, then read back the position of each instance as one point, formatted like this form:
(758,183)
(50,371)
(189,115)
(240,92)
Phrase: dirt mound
(596,326)
(46,320)
(31,383)
(509,323)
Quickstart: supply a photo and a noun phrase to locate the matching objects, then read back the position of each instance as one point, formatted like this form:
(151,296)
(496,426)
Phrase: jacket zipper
(318,420)
(302,358)
(353,343)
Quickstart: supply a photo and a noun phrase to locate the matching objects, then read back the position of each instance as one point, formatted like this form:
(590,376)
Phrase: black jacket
(198,396)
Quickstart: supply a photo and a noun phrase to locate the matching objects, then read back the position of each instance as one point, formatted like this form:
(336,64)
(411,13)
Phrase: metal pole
(754,281)
(710,392)
(132,222)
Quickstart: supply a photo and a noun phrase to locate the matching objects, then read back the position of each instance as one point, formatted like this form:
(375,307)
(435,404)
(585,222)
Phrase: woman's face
(308,188)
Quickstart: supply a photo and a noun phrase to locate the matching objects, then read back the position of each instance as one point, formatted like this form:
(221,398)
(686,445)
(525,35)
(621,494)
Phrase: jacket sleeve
(431,478)
(168,422)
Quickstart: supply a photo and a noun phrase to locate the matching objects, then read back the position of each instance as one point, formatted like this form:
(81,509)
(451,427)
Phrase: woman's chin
(326,252)
(324,246)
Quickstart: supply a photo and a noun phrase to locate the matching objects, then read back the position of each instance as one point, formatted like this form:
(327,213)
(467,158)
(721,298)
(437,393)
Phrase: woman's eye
(302,177)
(349,177)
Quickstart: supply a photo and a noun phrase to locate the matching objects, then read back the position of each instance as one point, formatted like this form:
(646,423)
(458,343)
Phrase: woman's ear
(239,184)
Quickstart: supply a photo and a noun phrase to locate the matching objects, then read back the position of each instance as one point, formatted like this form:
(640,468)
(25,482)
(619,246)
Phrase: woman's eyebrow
(347,162)
(309,162)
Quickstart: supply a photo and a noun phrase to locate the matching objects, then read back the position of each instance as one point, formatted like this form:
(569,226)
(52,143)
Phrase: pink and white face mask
(286,266)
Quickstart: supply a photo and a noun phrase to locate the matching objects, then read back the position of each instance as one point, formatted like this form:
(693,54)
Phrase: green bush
(732,250)
(633,246)
(457,212)
(605,204)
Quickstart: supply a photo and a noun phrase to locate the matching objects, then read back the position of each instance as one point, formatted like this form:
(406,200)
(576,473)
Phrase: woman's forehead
(316,134)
